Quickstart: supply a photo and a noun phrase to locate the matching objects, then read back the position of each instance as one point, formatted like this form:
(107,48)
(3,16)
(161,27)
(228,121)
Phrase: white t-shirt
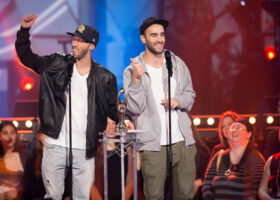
(159,94)
(79,112)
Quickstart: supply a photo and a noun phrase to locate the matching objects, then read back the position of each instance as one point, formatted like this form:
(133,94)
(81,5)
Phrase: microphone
(169,66)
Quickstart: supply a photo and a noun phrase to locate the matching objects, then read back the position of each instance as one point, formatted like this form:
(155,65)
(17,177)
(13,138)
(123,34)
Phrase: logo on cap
(81,28)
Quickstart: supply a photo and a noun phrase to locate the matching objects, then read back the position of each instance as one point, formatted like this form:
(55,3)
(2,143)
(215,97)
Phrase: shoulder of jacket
(60,53)
(177,59)
(103,70)
(128,68)
(63,56)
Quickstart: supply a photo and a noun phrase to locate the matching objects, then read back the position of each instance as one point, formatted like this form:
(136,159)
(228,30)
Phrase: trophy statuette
(121,107)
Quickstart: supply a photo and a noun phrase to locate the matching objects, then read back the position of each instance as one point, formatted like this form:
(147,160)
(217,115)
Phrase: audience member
(12,162)
(269,186)
(226,119)
(235,173)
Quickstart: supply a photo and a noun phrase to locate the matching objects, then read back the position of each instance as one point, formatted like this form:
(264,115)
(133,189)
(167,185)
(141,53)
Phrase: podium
(126,140)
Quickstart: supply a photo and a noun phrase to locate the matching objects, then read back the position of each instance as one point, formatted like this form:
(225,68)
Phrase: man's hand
(41,137)
(138,70)
(27,21)
(129,124)
(174,103)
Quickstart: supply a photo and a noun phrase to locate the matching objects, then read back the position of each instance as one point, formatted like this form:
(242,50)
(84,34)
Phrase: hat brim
(76,34)
(72,34)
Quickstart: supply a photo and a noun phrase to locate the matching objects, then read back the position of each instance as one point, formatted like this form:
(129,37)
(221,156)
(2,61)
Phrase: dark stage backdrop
(222,43)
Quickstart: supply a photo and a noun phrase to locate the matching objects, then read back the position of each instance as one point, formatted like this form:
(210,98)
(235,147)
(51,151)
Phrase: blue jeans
(54,165)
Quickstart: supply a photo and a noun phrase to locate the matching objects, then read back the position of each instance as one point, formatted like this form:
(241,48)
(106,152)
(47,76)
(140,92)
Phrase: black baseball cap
(87,33)
(152,20)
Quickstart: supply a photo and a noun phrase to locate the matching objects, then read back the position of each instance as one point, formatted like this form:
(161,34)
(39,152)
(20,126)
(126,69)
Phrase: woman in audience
(235,173)
(12,161)
(270,184)
(226,119)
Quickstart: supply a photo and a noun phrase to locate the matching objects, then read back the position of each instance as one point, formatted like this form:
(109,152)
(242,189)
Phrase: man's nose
(9,135)
(74,42)
(160,38)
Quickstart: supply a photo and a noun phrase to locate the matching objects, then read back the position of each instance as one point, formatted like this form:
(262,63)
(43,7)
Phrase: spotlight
(15,123)
(210,121)
(196,121)
(270,52)
(27,83)
(28,124)
(242,3)
(269,120)
(252,120)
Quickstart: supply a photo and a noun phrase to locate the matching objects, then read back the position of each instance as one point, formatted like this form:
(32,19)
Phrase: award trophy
(125,139)
(121,107)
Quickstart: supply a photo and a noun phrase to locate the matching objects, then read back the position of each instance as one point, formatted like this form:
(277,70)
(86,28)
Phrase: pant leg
(183,170)
(154,173)
(83,172)
(53,170)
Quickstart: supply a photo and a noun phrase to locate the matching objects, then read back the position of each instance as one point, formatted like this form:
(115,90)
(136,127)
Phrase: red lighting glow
(270,52)
(27,83)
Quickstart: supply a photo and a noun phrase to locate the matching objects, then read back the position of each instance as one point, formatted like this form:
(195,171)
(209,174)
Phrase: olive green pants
(154,170)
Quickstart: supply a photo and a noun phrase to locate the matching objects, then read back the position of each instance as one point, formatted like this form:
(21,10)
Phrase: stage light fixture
(27,83)
(270,52)
(28,124)
(15,123)
(269,119)
(210,121)
(242,3)
(196,121)
(252,120)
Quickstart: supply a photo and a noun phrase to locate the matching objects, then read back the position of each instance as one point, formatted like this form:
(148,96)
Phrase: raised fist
(27,21)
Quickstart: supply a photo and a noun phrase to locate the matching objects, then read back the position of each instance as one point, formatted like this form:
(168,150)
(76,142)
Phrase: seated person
(269,186)
(226,119)
(235,173)
(12,160)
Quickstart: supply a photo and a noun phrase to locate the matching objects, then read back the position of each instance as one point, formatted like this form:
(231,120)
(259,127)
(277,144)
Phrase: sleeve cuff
(26,30)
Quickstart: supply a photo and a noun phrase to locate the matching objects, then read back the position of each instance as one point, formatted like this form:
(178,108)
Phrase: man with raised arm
(93,98)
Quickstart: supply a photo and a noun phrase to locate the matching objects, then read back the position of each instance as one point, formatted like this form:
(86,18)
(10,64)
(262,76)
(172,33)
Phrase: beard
(80,54)
(151,48)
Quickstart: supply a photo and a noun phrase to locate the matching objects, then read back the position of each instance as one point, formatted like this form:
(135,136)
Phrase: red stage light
(270,52)
(27,83)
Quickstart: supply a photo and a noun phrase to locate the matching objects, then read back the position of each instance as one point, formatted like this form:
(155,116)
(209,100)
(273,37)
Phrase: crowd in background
(234,168)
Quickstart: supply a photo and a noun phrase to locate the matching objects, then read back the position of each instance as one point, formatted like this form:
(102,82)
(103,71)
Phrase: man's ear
(91,47)
(143,39)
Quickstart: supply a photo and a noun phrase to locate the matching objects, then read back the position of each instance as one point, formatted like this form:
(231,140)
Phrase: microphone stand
(70,168)
(169,146)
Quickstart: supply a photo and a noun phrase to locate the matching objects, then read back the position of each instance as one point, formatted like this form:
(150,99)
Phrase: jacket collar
(140,59)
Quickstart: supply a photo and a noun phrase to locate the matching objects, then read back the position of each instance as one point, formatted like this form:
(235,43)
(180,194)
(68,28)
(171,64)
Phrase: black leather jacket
(56,71)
